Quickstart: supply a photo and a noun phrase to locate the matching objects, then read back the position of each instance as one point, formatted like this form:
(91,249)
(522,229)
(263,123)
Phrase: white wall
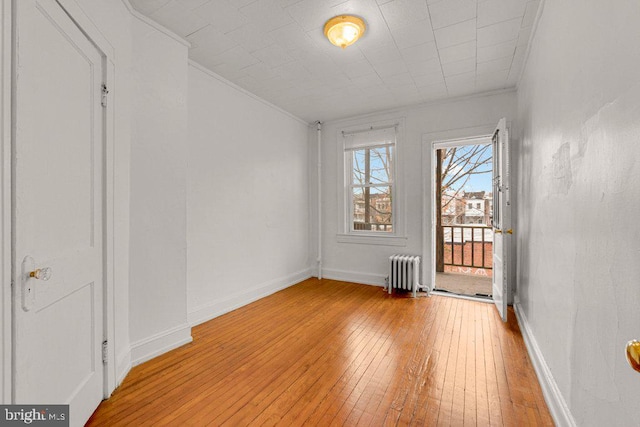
(248,213)
(579,238)
(368,263)
(158,303)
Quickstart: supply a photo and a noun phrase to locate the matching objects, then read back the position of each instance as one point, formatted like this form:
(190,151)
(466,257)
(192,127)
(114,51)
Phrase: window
(370,158)
(477,205)
(470,205)
(371,202)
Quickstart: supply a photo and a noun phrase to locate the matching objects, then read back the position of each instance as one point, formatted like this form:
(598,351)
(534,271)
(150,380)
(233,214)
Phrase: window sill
(368,239)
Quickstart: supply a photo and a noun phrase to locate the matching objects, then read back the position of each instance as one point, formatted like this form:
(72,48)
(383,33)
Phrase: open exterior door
(501,221)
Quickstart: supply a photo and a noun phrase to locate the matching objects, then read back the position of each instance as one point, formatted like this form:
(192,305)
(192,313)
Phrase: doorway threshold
(445,293)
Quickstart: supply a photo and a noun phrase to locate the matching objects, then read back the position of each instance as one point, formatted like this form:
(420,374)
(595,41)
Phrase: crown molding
(527,52)
(155,25)
(410,107)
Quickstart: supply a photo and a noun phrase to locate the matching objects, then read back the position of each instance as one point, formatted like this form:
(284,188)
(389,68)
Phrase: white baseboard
(354,276)
(207,312)
(123,366)
(555,401)
(155,345)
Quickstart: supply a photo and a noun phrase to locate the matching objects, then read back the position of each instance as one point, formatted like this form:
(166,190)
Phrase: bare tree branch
(459,165)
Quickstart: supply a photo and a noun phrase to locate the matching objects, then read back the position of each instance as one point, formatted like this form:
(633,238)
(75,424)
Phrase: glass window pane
(372,166)
(381,165)
(358,167)
(372,208)
(358,208)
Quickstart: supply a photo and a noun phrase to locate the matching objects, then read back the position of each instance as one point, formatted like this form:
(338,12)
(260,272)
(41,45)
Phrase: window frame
(346,232)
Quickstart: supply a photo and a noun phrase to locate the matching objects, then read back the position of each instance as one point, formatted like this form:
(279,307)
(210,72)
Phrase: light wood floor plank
(482,408)
(335,353)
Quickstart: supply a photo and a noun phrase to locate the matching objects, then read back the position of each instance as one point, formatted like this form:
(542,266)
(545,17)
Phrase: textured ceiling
(414,51)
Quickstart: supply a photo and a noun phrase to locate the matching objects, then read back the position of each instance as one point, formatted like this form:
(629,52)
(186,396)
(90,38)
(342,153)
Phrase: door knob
(633,354)
(497,231)
(41,273)
(29,272)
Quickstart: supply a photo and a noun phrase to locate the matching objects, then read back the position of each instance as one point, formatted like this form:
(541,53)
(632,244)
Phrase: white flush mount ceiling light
(344,30)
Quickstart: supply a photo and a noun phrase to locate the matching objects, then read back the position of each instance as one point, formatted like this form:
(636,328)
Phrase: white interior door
(501,216)
(58,212)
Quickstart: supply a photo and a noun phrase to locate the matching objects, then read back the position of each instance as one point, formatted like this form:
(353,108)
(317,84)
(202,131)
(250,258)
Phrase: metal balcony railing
(376,226)
(468,246)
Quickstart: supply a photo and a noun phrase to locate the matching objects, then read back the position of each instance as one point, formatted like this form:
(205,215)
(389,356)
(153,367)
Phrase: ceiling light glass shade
(344,30)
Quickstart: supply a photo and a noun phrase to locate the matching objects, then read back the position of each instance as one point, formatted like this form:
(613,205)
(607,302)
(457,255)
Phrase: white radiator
(404,273)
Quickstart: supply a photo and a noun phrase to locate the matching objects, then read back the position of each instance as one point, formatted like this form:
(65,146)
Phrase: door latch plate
(28,290)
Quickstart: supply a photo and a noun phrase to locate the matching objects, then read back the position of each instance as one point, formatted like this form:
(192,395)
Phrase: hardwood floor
(335,353)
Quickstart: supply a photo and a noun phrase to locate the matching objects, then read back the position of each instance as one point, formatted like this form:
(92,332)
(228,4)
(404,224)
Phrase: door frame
(7,127)
(430,143)
(6,38)
(435,146)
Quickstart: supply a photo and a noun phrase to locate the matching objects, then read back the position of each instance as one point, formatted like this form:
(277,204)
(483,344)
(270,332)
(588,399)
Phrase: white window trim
(345,234)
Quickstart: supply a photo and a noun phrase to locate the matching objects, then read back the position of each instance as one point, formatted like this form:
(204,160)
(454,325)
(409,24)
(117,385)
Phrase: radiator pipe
(319,259)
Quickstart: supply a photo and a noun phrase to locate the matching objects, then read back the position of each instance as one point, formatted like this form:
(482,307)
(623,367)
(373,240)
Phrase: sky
(479,183)
(476,182)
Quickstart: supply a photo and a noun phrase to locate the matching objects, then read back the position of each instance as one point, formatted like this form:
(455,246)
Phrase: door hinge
(105,353)
(105,92)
